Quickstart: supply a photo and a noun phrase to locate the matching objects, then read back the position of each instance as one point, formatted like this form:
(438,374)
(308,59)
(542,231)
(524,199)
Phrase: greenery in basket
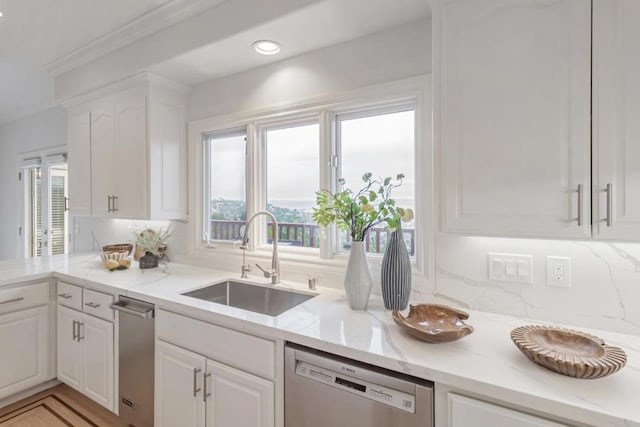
(358,212)
(153,240)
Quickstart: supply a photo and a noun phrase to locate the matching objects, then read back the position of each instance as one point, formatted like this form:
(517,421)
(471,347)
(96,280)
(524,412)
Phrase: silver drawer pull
(609,192)
(580,204)
(92,304)
(65,296)
(12,300)
(75,334)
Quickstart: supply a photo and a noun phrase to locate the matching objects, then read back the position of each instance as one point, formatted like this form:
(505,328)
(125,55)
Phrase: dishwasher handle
(125,307)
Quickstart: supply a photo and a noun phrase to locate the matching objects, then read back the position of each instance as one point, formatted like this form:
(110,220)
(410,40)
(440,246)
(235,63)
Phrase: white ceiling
(34,33)
(323,24)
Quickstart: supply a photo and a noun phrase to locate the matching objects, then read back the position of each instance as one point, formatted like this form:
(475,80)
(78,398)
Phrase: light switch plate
(510,267)
(559,271)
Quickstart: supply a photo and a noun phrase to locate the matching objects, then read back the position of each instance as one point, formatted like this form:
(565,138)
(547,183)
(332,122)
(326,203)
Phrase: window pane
(383,145)
(226,210)
(293,177)
(58,215)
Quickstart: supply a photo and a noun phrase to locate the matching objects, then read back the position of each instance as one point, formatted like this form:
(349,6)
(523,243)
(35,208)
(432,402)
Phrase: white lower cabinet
(85,355)
(193,391)
(178,387)
(24,354)
(237,398)
(468,412)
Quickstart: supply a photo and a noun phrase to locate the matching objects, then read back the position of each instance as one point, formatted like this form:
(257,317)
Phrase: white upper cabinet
(616,119)
(512,116)
(137,151)
(79,161)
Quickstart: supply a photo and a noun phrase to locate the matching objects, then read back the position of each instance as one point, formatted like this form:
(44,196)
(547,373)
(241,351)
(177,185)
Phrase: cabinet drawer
(97,304)
(245,352)
(13,299)
(70,295)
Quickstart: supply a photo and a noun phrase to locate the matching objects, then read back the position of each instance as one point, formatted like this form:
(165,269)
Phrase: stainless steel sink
(256,298)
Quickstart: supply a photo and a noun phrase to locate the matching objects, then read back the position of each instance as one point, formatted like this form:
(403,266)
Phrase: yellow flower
(408,215)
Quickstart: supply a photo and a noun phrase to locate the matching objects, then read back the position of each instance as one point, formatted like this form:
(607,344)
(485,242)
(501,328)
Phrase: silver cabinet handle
(109,204)
(80,337)
(580,204)
(65,296)
(196,371)
(12,300)
(73,333)
(205,394)
(115,204)
(609,191)
(92,304)
(123,307)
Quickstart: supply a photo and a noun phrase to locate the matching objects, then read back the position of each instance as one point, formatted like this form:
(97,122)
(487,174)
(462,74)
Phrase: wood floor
(58,406)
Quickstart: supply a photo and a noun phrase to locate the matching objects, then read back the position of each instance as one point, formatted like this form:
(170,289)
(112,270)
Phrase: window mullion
(327,174)
(256,185)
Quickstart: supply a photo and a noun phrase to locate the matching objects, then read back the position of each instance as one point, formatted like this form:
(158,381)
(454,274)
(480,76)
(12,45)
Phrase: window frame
(206,177)
(359,113)
(415,91)
(260,197)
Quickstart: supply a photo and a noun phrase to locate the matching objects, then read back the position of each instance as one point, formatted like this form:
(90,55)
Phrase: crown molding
(152,22)
(138,79)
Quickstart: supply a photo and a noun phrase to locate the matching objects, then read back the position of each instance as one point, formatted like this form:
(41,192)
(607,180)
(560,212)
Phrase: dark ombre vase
(396,273)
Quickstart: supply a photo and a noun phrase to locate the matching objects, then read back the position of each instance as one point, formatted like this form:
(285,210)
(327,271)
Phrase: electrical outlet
(559,271)
(511,267)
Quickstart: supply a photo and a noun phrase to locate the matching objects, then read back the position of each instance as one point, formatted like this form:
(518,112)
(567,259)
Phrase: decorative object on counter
(113,265)
(151,246)
(115,256)
(568,352)
(434,323)
(358,212)
(119,247)
(395,271)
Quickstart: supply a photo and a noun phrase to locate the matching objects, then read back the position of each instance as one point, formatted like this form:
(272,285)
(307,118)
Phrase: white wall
(40,131)
(390,55)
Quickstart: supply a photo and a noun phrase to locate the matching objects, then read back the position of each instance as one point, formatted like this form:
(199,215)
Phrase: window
(292,178)
(381,143)
(288,158)
(225,189)
(46,216)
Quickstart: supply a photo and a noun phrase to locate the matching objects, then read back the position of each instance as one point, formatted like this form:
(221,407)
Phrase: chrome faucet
(274,272)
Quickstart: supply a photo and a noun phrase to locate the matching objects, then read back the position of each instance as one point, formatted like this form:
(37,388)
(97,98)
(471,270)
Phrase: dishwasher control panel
(388,396)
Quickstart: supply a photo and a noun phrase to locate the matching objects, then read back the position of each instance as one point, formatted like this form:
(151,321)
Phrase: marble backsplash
(604,294)
(605,291)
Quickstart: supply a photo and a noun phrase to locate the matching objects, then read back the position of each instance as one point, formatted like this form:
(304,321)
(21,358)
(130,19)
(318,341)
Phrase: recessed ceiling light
(0,14)
(266,47)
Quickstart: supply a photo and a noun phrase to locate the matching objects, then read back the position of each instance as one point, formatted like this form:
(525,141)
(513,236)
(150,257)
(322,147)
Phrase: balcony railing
(308,235)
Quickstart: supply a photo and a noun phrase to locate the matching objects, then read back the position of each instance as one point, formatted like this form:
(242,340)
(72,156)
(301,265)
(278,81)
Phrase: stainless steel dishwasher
(136,330)
(323,390)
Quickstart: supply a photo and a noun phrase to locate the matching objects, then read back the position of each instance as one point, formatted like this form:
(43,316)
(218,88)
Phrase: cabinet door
(616,128)
(178,387)
(24,354)
(79,160)
(237,398)
(69,357)
(465,412)
(103,160)
(512,115)
(131,156)
(96,341)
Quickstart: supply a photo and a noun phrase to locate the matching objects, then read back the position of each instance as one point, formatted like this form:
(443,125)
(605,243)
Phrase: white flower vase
(357,280)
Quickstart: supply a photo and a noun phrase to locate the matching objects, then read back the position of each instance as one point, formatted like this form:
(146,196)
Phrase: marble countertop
(486,362)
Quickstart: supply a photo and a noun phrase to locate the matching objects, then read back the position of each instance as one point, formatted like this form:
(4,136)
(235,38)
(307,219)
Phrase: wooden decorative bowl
(572,353)
(434,323)
(120,247)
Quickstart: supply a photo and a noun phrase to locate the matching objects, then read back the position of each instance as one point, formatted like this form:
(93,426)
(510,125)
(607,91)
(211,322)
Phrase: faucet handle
(267,273)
